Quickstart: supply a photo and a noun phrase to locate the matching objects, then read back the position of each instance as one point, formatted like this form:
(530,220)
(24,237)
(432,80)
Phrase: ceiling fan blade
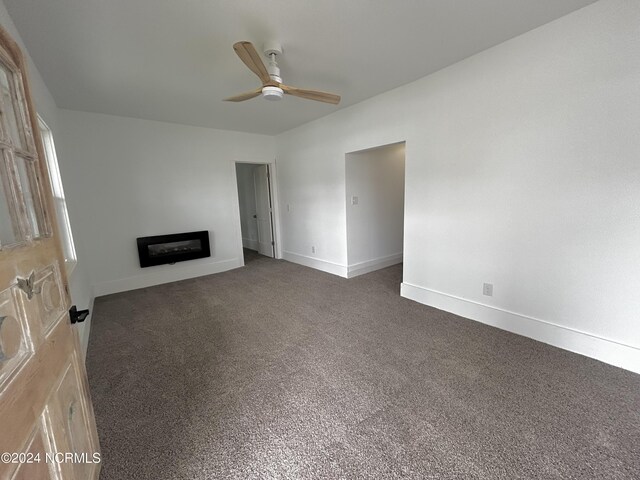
(311,94)
(244,96)
(251,58)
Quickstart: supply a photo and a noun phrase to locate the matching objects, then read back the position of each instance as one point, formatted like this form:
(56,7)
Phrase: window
(23,218)
(64,226)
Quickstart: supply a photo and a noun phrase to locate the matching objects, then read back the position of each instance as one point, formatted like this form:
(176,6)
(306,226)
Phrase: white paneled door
(47,427)
(264,210)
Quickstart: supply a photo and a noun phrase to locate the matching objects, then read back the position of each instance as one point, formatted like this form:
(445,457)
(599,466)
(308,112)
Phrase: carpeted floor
(280,371)
(251,256)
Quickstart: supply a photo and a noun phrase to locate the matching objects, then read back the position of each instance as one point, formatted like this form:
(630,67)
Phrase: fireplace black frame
(149,260)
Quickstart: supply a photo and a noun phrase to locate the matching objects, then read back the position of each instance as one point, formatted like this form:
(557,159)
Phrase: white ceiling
(173,61)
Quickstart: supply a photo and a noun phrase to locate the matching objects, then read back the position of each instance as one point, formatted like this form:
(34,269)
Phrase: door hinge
(273,243)
(76,315)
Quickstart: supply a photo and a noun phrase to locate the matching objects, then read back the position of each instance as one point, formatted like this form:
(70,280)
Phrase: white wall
(247,199)
(79,286)
(522,170)
(138,178)
(375,223)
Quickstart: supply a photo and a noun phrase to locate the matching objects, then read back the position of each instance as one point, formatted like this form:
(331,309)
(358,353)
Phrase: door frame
(275,206)
(354,269)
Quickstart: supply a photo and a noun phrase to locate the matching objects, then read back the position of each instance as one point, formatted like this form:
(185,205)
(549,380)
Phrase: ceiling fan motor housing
(272,93)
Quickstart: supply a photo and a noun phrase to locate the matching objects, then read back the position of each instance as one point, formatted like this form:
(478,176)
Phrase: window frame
(59,199)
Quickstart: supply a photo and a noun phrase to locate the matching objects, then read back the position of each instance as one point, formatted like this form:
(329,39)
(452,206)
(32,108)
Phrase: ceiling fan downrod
(269,92)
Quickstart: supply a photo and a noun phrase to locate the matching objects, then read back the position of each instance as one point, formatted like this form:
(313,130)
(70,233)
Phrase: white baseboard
(165,274)
(318,264)
(605,350)
(372,265)
(250,243)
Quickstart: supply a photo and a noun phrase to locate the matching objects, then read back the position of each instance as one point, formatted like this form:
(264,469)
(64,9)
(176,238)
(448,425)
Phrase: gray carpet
(280,371)
(250,256)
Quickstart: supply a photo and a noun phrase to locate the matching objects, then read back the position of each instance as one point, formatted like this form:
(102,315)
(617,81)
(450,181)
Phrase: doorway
(255,199)
(375,208)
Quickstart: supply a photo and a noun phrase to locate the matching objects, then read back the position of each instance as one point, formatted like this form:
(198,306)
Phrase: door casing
(273,183)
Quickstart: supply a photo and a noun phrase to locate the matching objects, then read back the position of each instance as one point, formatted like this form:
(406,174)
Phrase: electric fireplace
(177,247)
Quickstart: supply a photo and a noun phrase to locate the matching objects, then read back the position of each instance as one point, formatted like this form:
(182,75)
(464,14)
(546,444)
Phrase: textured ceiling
(173,61)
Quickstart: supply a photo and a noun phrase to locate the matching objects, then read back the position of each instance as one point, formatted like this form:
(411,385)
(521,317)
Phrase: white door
(263,210)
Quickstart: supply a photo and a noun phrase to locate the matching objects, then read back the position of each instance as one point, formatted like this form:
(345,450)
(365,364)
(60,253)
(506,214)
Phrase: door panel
(74,420)
(45,407)
(15,342)
(12,122)
(48,301)
(35,465)
(8,218)
(263,210)
(27,183)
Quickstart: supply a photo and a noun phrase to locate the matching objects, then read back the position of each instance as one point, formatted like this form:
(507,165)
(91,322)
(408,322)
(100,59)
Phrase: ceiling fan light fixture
(272,93)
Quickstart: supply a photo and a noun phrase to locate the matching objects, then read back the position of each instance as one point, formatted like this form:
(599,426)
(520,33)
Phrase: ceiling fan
(272,86)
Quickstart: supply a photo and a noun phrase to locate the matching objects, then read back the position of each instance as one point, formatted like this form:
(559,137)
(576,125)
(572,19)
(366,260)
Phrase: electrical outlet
(313,249)
(354,200)
(487,289)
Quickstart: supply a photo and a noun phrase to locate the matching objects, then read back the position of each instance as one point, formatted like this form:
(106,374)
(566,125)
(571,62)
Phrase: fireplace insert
(177,247)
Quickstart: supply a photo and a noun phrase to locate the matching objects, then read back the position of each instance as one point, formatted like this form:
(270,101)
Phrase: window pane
(58,193)
(26,177)
(65,230)
(11,120)
(7,232)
